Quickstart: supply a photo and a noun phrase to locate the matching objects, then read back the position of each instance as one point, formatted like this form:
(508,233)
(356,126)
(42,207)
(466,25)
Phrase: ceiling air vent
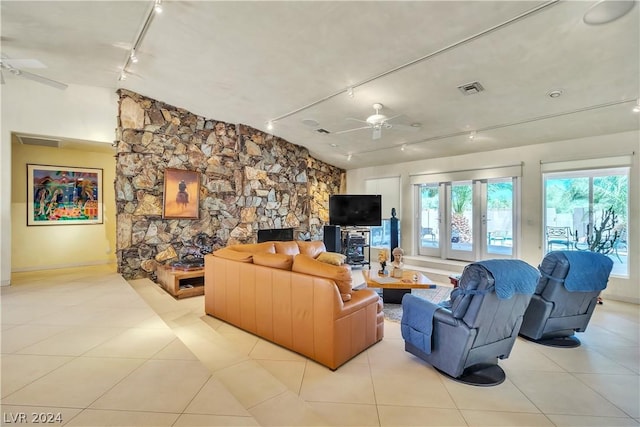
(43,142)
(471,88)
(324,131)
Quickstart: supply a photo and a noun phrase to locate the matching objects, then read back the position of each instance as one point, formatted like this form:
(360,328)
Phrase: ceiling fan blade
(377,133)
(351,130)
(43,80)
(356,120)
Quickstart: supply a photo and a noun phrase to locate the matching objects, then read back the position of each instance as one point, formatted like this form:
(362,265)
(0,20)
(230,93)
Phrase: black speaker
(332,238)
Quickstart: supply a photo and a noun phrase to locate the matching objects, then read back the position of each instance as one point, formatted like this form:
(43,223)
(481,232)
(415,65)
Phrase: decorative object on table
(181,197)
(383,257)
(63,195)
(398,262)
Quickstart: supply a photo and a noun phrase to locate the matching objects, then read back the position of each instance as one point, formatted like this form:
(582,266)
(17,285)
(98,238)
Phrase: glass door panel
(429,219)
(460,235)
(499,218)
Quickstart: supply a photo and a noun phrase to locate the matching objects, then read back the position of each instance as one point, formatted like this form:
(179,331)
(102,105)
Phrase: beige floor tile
(74,341)
(526,356)
(19,314)
(37,415)
(347,414)
(23,336)
(583,360)
(351,383)
(562,393)
(242,342)
(135,343)
(629,357)
(215,399)
(193,420)
(288,372)
(250,383)
(395,416)
(389,355)
(269,351)
(156,386)
(123,317)
(621,390)
(175,350)
(95,417)
(77,315)
(509,419)
(504,397)
(392,330)
(286,409)
(424,389)
(214,351)
(591,421)
(20,370)
(75,384)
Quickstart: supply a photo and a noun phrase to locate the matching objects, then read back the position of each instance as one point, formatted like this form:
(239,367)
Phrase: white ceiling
(251,62)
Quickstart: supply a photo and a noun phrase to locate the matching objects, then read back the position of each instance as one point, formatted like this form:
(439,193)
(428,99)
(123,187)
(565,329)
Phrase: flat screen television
(351,210)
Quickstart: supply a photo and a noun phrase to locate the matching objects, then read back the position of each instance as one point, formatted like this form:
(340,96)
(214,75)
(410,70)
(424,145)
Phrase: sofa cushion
(280,261)
(234,255)
(287,248)
(312,248)
(340,274)
(332,258)
(265,247)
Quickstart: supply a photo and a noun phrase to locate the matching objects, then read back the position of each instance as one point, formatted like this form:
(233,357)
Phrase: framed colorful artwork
(63,195)
(181,194)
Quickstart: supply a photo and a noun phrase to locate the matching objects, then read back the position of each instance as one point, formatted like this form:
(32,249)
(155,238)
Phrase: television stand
(355,246)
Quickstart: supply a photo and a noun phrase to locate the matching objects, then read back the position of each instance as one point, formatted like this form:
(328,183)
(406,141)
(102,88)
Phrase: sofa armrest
(359,299)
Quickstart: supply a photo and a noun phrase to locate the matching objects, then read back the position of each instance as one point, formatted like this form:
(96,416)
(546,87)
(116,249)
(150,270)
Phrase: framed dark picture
(181,194)
(63,195)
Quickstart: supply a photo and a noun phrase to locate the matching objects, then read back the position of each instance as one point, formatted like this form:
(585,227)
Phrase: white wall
(79,112)
(531,237)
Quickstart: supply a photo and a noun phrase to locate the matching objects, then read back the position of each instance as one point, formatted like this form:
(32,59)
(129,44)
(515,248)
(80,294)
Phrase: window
(592,206)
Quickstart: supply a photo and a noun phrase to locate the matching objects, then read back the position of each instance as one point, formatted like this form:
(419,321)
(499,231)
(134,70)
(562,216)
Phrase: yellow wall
(56,246)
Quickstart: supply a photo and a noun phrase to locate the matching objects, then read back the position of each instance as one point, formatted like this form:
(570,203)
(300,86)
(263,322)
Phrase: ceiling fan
(376,122)
(14,66)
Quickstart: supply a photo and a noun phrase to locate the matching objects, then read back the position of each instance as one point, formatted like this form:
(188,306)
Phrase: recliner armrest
(445,316)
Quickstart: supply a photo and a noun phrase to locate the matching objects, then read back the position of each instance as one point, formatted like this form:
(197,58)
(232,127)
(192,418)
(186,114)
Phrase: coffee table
(393,289)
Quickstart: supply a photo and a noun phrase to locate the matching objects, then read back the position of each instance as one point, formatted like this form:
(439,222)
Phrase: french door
(468,220)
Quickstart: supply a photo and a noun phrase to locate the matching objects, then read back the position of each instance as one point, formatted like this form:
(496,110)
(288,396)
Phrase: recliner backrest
(554,269)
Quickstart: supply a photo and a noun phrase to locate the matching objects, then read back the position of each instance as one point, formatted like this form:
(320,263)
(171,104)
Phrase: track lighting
(123,75)
(349,158)
(133,56)
(350,92)
(636,108)
(269,125)
(403,147)
(158,6)
(472,135)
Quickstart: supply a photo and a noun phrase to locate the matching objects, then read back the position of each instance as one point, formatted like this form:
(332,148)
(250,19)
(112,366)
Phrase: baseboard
(61,266)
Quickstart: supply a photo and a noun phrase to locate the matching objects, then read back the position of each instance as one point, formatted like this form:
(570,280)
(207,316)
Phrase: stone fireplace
(250,180)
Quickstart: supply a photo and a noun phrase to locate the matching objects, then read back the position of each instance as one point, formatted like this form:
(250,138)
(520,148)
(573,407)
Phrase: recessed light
(270,125)
(416,125)
(606,11)
(310,122)
(334,145)
(556,93)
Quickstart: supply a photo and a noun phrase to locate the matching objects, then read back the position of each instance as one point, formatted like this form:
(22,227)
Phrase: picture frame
(63,195)
(181,196)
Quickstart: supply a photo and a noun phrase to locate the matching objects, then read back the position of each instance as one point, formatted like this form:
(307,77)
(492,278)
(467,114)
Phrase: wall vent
(43,142)
(471,88)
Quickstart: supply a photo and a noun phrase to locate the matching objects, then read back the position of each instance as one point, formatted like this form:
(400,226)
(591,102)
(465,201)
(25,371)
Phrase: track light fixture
(123,75)
(636,108)
(349,157)
(157,8)
(269,125)
(472,135)
(133,56)
(350,92)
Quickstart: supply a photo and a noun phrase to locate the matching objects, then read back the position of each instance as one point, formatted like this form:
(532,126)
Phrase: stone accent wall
(250,180)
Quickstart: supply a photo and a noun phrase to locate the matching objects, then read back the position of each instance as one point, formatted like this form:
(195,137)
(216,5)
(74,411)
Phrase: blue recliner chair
(565,297)
(479,325)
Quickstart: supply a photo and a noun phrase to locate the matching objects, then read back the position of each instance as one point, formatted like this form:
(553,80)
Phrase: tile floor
(87,345)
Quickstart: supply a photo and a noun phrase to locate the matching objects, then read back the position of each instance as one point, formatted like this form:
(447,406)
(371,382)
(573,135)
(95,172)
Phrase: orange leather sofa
(282,293)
